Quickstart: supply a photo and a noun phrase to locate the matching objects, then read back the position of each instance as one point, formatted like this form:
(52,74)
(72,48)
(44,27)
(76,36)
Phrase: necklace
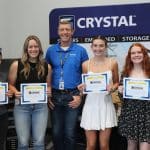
(97,63)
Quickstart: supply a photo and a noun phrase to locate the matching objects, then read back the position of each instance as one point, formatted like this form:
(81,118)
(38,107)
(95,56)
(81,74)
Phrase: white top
(98,111)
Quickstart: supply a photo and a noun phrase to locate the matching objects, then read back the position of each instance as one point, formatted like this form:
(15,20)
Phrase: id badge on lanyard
(61,84)
(61,81)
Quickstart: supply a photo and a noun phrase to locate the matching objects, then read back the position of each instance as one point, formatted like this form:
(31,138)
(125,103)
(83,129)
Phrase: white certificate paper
(3,90)
(136,88)
(33,93)
(95,82)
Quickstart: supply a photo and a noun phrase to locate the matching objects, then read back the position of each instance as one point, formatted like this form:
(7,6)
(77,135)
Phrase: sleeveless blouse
(33,74)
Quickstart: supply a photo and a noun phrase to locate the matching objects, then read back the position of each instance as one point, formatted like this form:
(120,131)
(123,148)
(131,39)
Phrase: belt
(65,91)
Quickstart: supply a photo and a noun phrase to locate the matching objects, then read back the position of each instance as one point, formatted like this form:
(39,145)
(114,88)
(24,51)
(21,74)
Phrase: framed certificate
(33,93)
(95,82)
(136,88)
(3,90)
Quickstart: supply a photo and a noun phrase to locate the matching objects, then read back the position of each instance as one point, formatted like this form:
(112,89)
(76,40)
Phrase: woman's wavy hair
(129,64)
(25,57)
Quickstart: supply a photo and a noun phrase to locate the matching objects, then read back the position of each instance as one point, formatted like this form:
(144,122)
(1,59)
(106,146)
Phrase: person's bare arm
(115,74)
(49,90)
(85,67)
(12,76)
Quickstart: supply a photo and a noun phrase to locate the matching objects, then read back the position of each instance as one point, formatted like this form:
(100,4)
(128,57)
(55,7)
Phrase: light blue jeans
(31,119)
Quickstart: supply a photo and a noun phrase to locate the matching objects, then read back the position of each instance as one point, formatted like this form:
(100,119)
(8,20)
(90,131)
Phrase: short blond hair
(65,22)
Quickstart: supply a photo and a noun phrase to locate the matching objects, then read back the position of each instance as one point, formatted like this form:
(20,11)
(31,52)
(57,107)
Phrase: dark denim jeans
(64,121)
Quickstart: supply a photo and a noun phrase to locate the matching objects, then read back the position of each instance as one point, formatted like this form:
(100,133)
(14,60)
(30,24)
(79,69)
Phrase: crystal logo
(69,18)
(107,21)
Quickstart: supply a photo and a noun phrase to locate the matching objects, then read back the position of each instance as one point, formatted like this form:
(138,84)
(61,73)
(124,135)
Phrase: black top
(33,75)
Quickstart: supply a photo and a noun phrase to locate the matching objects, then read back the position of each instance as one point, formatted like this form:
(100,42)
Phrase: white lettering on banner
(108,21)
(76,40)
(135,38)
(111,39)
(89,40)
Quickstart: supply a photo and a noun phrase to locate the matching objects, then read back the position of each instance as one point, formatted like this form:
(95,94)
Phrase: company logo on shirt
(72,54)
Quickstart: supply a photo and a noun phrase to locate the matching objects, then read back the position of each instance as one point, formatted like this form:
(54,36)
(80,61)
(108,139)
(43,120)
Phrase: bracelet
(50,95)
(112,90)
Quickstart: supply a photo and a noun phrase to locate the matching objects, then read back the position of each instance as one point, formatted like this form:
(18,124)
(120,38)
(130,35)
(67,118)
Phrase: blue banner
(119,23)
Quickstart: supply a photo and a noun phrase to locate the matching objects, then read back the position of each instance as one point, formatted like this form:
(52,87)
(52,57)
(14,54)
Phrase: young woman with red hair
(134,121)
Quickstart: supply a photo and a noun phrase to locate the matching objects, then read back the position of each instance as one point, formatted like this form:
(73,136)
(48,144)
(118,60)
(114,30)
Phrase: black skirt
(134,121)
